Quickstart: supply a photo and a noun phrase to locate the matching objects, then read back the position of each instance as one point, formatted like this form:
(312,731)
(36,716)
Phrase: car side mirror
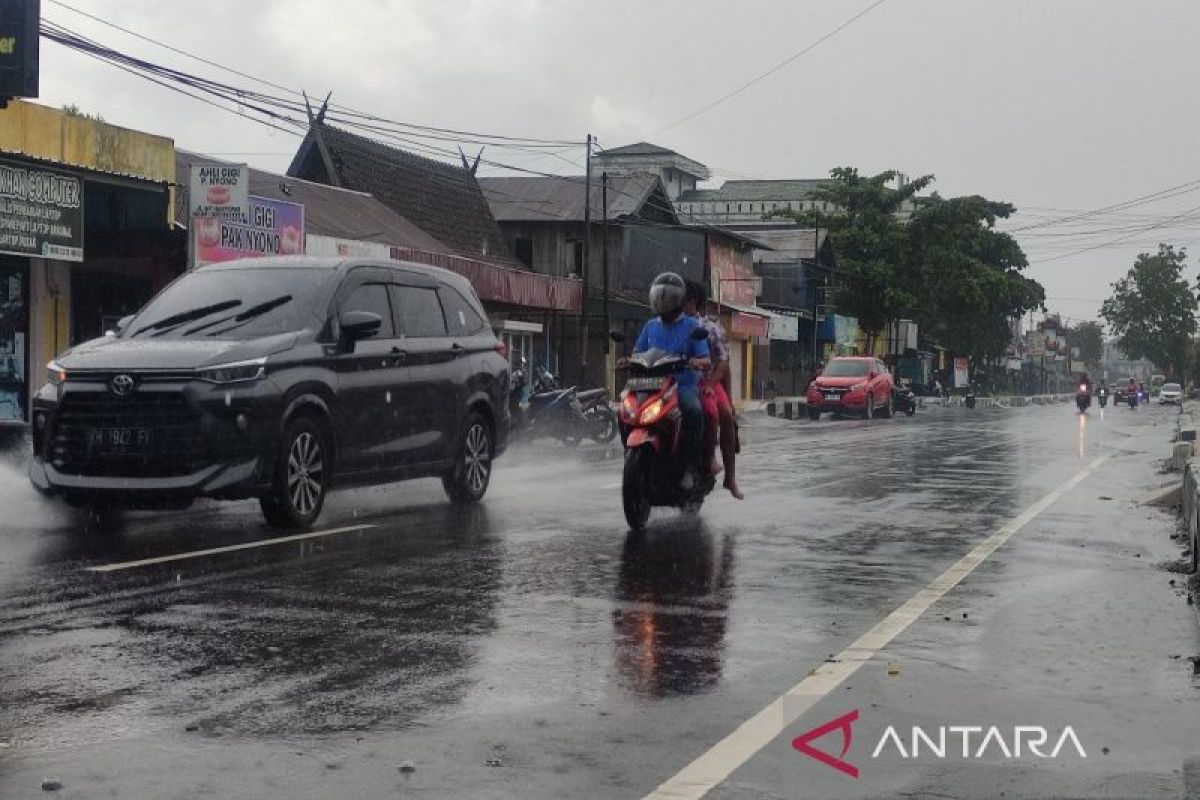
(356,325)
(121,325)
(699,334)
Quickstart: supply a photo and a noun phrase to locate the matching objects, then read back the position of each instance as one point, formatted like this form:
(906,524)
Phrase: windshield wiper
(175,320)
(251,313)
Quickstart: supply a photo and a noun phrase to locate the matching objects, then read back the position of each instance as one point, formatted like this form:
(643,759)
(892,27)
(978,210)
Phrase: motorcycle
(969,401)
(1102,396)
(652,431)
(552,412)
(905,400)
(1132,398)
(1083,398)
(600,423)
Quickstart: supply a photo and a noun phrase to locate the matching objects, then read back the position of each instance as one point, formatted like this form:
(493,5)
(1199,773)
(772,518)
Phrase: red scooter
(652,430)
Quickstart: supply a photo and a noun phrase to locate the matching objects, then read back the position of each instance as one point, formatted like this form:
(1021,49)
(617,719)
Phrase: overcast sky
(1053,105)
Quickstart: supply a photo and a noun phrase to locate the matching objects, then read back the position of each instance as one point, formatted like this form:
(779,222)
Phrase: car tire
(300,480)
(467,481)
(814,414)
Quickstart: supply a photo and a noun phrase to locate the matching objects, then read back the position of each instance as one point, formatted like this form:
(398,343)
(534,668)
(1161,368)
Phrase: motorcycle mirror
(616,336)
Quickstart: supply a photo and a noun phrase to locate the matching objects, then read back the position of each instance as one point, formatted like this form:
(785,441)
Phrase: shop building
(85,236)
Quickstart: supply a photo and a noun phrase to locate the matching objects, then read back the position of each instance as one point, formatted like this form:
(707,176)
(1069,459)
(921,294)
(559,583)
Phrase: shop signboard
(783,327)
(961,371)
(41,212)
(19,24)
(272,228)
(220,191)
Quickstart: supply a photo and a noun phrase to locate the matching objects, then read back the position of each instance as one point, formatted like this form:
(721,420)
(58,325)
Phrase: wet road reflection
(672,608)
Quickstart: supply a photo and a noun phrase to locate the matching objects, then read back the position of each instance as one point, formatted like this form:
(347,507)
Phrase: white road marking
(710,769)
(227,549)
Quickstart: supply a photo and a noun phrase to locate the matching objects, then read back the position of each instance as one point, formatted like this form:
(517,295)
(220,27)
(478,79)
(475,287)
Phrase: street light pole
(587,252)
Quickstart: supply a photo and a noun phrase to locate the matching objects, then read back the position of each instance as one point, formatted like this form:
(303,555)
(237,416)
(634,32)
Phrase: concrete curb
(795,407)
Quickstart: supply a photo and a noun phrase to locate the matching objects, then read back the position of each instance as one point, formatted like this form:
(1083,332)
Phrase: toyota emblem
(121,385)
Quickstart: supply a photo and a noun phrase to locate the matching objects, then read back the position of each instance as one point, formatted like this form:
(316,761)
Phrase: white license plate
(834,397)
(643,384)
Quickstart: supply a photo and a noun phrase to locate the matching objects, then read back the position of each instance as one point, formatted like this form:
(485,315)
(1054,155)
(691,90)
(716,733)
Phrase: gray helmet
(666,294)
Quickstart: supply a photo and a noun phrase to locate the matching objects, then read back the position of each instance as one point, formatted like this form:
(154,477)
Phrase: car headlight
(651,413)
(234,372)
(858,387)
(55,374)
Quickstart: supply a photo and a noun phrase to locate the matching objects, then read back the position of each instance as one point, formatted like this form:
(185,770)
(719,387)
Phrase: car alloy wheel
(305,473)
(468,478)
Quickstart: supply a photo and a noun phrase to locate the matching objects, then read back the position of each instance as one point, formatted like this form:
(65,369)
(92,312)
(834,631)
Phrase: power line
(812,46)
(1118,240)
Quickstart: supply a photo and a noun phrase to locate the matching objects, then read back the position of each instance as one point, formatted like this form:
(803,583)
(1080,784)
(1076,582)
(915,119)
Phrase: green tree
(1152,310)
(970,278)
(1089,338)
(870,243)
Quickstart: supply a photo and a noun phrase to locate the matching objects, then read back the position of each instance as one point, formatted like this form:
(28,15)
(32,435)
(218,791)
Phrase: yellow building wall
(74,141)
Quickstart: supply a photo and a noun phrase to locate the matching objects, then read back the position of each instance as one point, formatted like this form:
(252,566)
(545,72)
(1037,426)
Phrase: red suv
(860,386)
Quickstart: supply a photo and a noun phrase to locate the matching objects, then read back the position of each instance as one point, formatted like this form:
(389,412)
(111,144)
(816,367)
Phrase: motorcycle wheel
(602,424)
(634,480)
(910,410)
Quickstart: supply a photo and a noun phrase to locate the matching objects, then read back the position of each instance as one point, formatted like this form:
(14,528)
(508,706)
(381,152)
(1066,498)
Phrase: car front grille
(173,426)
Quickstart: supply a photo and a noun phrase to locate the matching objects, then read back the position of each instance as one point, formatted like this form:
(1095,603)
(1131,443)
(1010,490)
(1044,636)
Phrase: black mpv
(278,378)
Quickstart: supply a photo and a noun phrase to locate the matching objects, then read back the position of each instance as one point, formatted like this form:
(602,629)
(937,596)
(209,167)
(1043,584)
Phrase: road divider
(212,551)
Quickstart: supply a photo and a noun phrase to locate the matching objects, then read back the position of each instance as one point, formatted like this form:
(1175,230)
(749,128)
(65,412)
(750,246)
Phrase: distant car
(1170,393)
(860,386)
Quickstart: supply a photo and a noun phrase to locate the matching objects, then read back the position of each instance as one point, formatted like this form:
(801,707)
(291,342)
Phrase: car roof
(338,262)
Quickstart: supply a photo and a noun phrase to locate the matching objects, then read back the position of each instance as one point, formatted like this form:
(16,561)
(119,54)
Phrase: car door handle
(399,356)
(457,349)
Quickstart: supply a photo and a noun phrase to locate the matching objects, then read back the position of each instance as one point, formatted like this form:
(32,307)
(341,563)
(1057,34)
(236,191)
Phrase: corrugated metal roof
(799,189)
(788,246)
(328,211)
(561,199)
(638,149)
(63,165)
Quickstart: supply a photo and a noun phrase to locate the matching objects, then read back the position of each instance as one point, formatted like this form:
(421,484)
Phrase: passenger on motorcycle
(714,392)
(671,331)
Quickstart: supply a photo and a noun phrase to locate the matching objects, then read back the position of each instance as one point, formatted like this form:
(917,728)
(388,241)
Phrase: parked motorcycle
(562,413)
(1083,398)
(905,400)
(652,430)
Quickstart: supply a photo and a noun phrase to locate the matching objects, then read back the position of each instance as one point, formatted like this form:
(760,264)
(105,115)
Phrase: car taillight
(502,349)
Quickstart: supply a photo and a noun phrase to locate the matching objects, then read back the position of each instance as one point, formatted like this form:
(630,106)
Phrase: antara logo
(971,741)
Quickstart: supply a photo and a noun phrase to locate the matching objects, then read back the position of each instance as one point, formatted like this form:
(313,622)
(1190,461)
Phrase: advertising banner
(961,371)
(41,212)
(782,327)
(19,39)
(220,191)
(273,228)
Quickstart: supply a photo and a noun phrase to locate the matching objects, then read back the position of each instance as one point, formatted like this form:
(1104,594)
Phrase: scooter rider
(671,331)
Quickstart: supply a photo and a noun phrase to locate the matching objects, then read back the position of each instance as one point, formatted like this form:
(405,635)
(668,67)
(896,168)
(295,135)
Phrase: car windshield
(231,304)
(846,369)
(1170,387)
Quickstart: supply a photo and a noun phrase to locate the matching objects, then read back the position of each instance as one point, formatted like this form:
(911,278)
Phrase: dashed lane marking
(299,537)
(719,762)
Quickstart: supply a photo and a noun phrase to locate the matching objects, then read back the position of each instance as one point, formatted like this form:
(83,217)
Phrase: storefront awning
(497,284)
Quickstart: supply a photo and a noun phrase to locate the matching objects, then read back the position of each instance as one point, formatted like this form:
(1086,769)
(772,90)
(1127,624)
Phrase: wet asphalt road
(531,648)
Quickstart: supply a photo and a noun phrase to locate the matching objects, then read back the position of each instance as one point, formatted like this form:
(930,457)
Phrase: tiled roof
(442,199)
(328,211)
(561,199)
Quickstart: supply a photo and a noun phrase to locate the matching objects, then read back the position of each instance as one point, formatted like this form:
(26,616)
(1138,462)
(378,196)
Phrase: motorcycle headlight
(55,374)
(235,372)
(651,413)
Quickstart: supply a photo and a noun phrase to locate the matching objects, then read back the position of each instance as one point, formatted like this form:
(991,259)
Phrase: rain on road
(531,647)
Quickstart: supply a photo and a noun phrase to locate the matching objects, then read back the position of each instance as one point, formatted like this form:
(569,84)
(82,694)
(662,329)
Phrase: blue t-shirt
(675,337)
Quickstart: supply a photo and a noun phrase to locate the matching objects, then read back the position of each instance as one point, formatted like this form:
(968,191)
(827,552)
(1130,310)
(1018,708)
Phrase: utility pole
(587,253)
(609,362)
(817,262)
